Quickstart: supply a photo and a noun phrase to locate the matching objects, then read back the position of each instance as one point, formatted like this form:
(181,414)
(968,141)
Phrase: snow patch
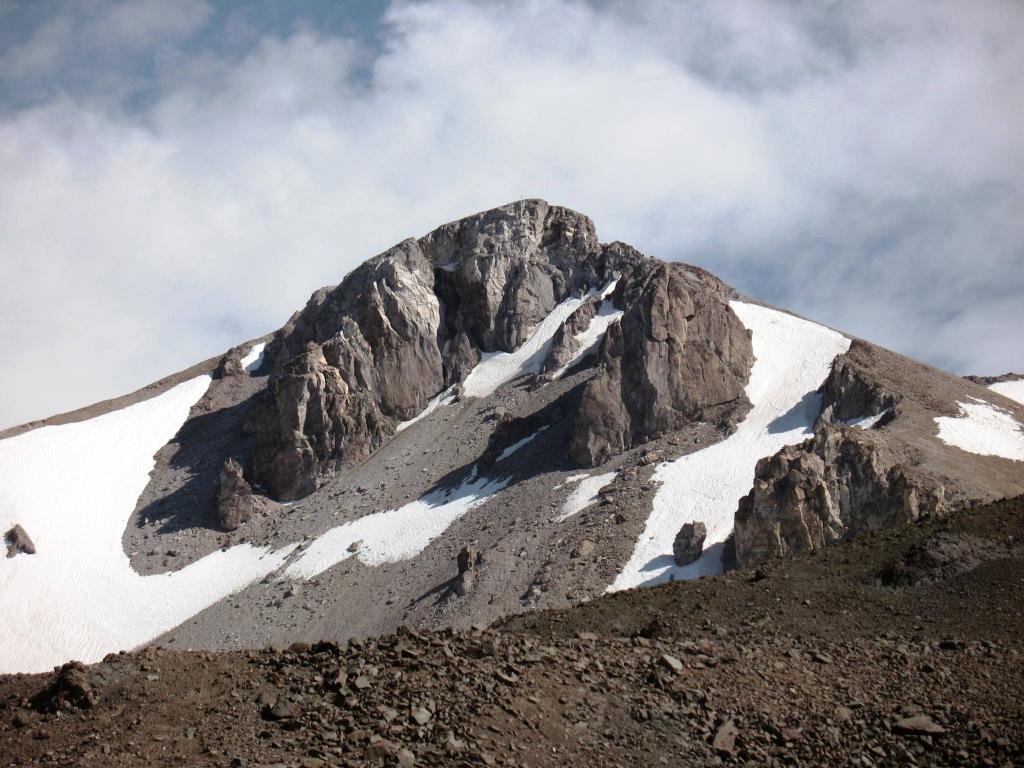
(571,479)
(517,445)
(588,340)
(254,357)
(865,422)
(74,487)
(447,397)
(1011,389)
(497,368)
(792,358)
(981,428)
(585,494)
(396,534)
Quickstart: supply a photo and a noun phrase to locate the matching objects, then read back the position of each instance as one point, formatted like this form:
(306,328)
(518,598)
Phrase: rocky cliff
(370,353)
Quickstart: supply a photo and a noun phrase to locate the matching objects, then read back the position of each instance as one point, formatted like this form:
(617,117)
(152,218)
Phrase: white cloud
(858,162)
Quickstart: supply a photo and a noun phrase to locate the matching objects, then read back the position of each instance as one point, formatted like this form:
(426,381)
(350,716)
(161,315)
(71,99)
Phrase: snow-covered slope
(984,429)
(497,368)
(73,488)
(792,358)
(1011,389)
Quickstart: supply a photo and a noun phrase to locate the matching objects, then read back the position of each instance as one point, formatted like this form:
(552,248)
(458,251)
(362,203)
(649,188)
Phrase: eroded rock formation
(235,501)
(837,484)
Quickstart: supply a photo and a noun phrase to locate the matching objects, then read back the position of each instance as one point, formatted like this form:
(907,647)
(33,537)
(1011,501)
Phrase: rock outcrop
(986,381)
(19,542)
(235,501)
(839,483)
(563,345)
(689,543)
(850,392)
(678,355)
(320,418)
(407,324)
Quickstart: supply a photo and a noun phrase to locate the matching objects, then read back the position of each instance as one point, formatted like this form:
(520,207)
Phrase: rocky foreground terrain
(900,647)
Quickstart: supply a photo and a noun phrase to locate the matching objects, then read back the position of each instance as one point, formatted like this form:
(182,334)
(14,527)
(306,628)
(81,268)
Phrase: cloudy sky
(176,176)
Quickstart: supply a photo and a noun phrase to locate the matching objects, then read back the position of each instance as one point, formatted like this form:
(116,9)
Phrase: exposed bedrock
(852,392)
(563,345)
(841,482)
(318,420)
(678,355)
(406,324)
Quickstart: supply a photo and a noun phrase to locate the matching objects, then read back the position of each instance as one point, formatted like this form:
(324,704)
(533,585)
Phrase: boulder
(19,542)
(235,501)
(466,560)
(689,543)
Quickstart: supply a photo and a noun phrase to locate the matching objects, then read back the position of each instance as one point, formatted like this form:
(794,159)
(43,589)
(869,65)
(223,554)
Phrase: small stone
(585,549)
(725,738)
(420,715)
(355,546)
(406,759)
(671,662)
(918,725)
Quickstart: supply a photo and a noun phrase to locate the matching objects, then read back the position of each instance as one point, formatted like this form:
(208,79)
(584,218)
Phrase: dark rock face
(19,542)
(849,393)
(678,355)
(840,483)
(415,320)
(689,543)
(235,501)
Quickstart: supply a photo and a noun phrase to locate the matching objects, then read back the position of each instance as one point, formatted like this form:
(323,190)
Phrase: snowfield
(1011,389)
(396,534)
(984,429)
(73,487)
(497,368)
(254,357)
(793,357)
(584,494)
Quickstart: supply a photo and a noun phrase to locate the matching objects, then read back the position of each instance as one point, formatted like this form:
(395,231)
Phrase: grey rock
(19,542)
(466,559)
(235,501)
(918,725)
(678,355)
(850,392)
(689,543)
(725,738)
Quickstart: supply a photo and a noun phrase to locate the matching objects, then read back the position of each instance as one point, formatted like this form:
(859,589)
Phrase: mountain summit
(502,415)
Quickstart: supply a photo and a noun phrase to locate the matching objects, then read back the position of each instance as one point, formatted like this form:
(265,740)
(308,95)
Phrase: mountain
(501,416)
